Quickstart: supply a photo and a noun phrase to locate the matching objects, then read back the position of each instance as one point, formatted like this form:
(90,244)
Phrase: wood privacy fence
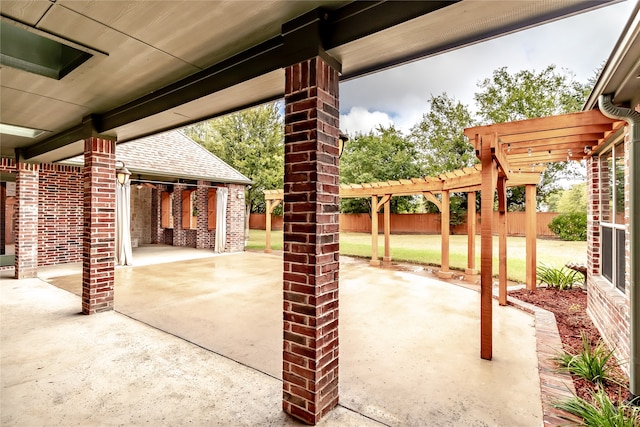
(426,223)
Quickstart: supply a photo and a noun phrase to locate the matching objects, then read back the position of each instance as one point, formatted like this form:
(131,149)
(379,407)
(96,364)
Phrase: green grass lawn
(425,249)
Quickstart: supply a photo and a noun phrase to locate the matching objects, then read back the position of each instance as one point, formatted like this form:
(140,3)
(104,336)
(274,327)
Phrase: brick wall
(60,215)
(607,306)
(141,214)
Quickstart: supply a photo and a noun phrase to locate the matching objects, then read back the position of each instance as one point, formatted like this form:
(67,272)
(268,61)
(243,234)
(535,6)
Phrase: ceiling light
(20,131)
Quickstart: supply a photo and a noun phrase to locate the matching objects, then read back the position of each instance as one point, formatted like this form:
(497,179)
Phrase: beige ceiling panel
(130,70)
(199,32)
(26,11)
(462,21)
(267,86)
(30,110)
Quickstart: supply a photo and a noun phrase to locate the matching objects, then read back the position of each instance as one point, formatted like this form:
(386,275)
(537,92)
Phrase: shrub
(561,278)
(602,412)
(592,364)
(570,226)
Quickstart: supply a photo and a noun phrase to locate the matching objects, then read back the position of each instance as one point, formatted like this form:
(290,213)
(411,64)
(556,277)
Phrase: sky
(399,96)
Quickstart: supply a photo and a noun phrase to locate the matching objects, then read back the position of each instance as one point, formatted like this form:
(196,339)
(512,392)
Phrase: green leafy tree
(443,148)
(439,136)
(523,95)
(574,199)
(252,141)
(383,154)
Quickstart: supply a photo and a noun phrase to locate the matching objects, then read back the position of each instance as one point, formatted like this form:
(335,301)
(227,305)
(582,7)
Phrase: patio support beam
(386,261)
(530,233)
(489,182)
(311,240)
(502,240)
(179,233)
(98,237)
(471,234)
(444,272)
(26,236)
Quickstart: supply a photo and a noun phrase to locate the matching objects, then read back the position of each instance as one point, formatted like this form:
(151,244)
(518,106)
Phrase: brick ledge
(554,385)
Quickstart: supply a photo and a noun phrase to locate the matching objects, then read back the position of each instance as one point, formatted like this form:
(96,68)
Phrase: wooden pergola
(507,149)
(511,154)
(467,180)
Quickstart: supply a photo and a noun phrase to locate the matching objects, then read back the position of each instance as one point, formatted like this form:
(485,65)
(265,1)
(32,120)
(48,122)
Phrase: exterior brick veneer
(26,240)
(607,306)
(311,234)
(235,219)
(60,215)
(99,225)
(179,235)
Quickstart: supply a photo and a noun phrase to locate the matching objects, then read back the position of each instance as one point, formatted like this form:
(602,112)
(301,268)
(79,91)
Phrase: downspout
(632,117)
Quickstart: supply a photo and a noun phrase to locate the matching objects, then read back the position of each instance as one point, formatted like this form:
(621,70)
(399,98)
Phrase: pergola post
(444,272)
(502,239)
(271,205)
(471,234)
(386,261)
(489,178)
(374,232)
(530,232)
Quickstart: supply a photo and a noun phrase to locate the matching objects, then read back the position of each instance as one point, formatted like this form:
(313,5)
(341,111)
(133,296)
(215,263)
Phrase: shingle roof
(173,154)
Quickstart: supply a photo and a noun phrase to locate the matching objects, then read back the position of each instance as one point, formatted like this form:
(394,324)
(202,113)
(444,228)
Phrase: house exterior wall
(141,215)
(60,215)
(608,307)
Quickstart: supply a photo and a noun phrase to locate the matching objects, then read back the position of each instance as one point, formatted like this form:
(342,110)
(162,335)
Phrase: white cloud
(579,43)
(361,120)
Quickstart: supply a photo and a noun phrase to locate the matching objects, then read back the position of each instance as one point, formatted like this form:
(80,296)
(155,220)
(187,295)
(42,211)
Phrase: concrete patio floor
(409,348)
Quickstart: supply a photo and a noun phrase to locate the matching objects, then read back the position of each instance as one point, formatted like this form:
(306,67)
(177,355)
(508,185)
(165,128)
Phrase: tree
(524,95)
(251,141)
(383,154)
(573,199)
(439,136)
(443,148)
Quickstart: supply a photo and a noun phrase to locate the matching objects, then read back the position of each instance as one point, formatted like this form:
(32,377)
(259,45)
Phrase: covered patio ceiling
(154,65)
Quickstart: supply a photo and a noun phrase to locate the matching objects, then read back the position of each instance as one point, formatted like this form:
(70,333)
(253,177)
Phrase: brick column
(179,233)
(3,221)
(202,195)
(311,234)
(26,232)
(98,236)
(235,218)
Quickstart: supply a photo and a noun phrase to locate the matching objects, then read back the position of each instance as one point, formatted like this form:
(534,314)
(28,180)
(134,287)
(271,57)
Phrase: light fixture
(123,174)
(342,141)
(529,152)
(587,149)
(20,131)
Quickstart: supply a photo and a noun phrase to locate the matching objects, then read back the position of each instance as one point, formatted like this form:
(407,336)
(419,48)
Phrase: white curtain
(221,218)
(123,224)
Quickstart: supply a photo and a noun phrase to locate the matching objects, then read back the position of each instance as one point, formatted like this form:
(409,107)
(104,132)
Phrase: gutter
(632,117)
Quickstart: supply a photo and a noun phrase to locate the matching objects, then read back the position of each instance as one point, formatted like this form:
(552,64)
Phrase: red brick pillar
(203,238)
(3,216)
(26,233)
(179,234)
(311,233)
(98,236)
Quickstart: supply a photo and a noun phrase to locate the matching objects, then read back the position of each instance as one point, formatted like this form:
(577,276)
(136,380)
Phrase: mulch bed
(570,309)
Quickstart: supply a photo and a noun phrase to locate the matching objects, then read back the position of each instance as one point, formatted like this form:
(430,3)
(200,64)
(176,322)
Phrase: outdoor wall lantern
(342,141)
(123,174)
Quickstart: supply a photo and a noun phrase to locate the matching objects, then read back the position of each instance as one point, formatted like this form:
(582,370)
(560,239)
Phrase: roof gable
(174,155)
